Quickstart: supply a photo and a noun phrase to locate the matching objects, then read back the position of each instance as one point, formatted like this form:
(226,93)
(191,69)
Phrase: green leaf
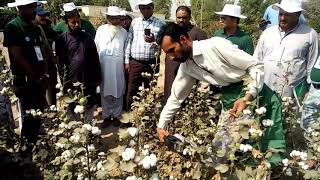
(123,134)
(43,154)
(196,173)
(126,117)
(127,166)
(223,168)
(82,149)
(311,174)
(68,99)
(221,153)
(244,133)
(119,149)
(111,164)
(101,174)
(268,155)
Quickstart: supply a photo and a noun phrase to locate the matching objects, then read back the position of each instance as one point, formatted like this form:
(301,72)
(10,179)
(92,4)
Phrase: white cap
(143,2)
(290,6)
(126,13)
(69,7)
(113,11)
(231,10)
(24,2)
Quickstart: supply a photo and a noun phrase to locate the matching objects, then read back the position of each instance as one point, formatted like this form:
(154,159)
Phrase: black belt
(149,61)
(316,86)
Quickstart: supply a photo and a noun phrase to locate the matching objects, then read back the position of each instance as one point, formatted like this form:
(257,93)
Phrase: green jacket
(240,38)
(85,26)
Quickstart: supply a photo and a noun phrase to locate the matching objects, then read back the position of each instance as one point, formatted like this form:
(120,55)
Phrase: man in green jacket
(229,18)
(86,26)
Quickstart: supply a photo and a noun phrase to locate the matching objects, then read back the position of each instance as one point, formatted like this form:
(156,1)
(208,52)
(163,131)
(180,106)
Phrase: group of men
(283,63)
(114,57)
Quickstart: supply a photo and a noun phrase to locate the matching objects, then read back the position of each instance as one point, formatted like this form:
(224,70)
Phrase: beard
(185,54)
(76,30)
(182,24)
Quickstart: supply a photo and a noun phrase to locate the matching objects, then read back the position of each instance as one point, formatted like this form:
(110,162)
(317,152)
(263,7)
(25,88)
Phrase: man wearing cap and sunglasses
(110,39)
(229,18)
(140,48)
(86,26)
(288,50)
(29,54)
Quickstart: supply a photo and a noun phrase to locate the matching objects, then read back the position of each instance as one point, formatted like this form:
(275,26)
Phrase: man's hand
(149,39)
(162,134)
(239,105)
(127,68)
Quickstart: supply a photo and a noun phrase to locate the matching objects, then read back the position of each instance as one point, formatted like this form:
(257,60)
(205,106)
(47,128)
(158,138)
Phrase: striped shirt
(135,46)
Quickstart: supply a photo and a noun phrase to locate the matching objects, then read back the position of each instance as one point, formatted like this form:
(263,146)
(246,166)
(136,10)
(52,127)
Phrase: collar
(148,20)
(236,33)
(290,30)
(22,22)
(196,49)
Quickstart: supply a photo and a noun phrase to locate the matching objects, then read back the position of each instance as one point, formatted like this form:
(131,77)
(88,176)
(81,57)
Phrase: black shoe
(106,122)
(116,122)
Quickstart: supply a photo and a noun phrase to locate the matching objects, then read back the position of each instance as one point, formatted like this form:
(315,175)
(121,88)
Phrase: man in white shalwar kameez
(110,39)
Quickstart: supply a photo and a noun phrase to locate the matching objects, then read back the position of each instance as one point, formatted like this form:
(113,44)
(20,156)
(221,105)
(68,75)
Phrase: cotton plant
(69,148)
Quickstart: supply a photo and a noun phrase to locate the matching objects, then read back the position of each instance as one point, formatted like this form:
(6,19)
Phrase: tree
(5,2)
(312,13)
(209,19)
(254,10)
(163,7)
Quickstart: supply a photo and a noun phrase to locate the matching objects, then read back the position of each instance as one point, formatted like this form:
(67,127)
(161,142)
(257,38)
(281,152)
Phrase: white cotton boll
(60,145)
(261,110)
(267,123)
(101,154)
(305,167)
(33,112)
(128,154)
(295,153)
(133,178)
(303,156)
(59,94)
(58,86)
(91,148)
(56,133)
(147,146)
(153,160)
(246,112)
(95,131)
(145,152)
(66,155)
(99,165)
(155,176)
(132,131)
(79,109)
(87,126)
(62,125)
(75,138)
(259,132)
(149,161)
(289,172)
(39,113)
(132,143)
(285,162)
(301,164)
(252,130)
(141,88)
(315,134)
(80,176)
(53,108)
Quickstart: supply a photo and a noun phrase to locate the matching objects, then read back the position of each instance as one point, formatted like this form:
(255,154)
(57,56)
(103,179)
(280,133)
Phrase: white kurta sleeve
(312,53)
(180,90)
(242,60)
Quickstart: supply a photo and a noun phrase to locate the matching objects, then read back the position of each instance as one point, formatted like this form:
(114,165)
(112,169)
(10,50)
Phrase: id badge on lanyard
(37,49)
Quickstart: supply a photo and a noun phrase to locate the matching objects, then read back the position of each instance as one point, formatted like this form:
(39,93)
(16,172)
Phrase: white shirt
(110,41)
(287,59)
(218,62)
